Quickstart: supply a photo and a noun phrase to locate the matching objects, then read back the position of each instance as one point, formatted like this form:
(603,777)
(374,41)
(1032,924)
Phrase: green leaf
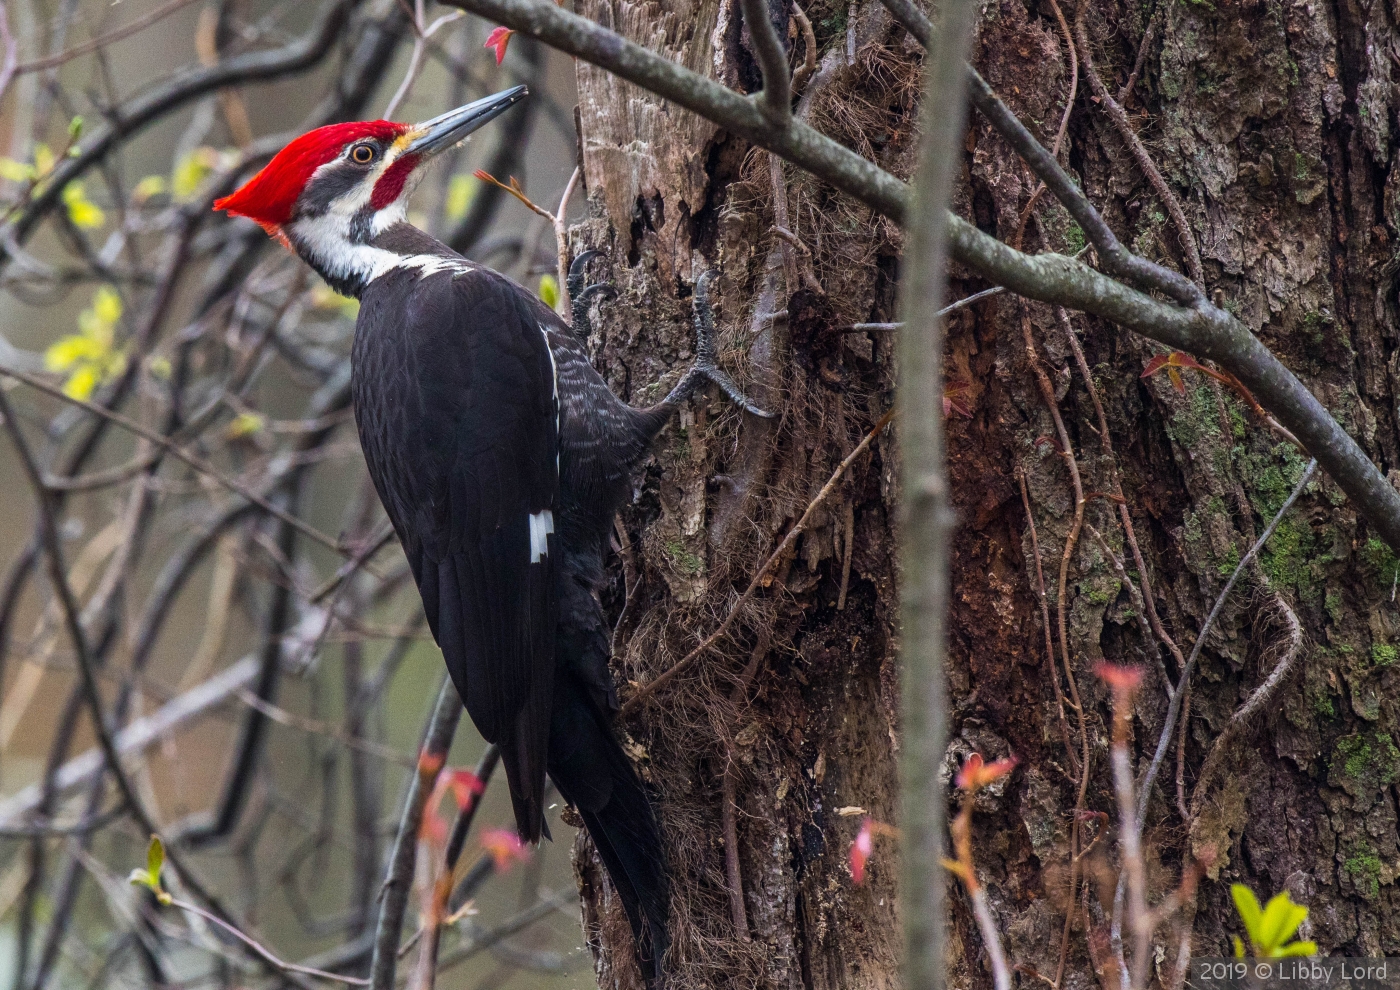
(1239,948)
(44,159)
(107,306)
(1281,919)
(84,213)
(245,425)
(75,128)
(82,383)
(191,170)
(150,186)
(1270,927)
(1248,907)
(155,857)
(549,291)
(13,171)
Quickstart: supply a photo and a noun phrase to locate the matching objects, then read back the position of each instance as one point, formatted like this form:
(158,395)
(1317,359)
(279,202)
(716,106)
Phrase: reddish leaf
(956,396)
(504,846)
(498,39)
(1176,381)
(861,849)
(1119,677)
(465,787)
(976,773)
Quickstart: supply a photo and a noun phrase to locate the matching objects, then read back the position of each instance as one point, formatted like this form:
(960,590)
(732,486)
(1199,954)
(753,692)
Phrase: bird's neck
(350,259)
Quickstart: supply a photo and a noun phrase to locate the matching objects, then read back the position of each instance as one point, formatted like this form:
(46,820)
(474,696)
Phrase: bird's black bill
(449,128)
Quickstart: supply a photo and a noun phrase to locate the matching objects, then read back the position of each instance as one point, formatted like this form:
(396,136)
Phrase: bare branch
(1139,153)
(198,463)
(776,99)
(135,737)
(111,37)
(399,881)
(58,577)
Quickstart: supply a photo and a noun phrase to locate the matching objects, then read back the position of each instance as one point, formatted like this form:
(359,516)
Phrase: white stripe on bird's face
(541,525)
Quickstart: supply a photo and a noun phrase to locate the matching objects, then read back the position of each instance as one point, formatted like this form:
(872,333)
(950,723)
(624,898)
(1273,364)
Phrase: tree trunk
(1271,125)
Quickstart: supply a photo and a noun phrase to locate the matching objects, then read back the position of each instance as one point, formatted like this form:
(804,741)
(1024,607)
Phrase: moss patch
(1365,869)
(1363,764)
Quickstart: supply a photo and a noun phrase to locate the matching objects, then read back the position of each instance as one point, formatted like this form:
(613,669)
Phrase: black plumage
(477,407)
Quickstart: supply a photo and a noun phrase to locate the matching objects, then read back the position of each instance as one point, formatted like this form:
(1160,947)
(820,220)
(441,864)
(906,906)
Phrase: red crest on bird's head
(269,196)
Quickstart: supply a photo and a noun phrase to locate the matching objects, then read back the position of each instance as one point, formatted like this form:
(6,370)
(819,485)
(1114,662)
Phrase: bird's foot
(581,295)
(706,364)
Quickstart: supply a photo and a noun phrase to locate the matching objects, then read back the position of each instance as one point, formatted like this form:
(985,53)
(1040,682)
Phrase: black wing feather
(455,401)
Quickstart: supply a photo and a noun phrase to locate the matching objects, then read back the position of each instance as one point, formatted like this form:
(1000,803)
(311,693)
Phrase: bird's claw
(581,296)
(707,348)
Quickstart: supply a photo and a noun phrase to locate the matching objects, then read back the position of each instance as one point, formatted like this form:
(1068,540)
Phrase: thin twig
(1292,650)
(1148,36)
(58,577)
(809,50)
(1139,152)
(262,951)
(1173,709)
(179,453)
(561,238)
(398,881)
(1124,516)
(111,37)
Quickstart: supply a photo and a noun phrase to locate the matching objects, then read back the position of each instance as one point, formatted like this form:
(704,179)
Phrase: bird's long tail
(592,773)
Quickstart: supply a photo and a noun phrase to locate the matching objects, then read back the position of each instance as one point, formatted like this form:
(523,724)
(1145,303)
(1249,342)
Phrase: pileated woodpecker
(501,458)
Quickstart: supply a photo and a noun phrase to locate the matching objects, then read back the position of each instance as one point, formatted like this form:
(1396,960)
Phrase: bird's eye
(362,154)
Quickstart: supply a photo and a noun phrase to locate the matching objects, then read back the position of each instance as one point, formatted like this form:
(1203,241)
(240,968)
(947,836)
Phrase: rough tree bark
(1271,125)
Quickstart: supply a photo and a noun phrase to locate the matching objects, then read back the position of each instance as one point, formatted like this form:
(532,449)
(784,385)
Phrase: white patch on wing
(541,525)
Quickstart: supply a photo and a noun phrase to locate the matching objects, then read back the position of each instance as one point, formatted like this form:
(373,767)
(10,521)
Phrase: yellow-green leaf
(90,356)
(150,186)
(1248,907)
(1239,948)
(155,857)
(191,170)
(461,190)
(1281,919)
(107,306)
(549,291)
(44,159)
(1270,927)
(159,367)
(84,213)
(66,352)
(245,425)
(75,128)
(82,382)
(13,171)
